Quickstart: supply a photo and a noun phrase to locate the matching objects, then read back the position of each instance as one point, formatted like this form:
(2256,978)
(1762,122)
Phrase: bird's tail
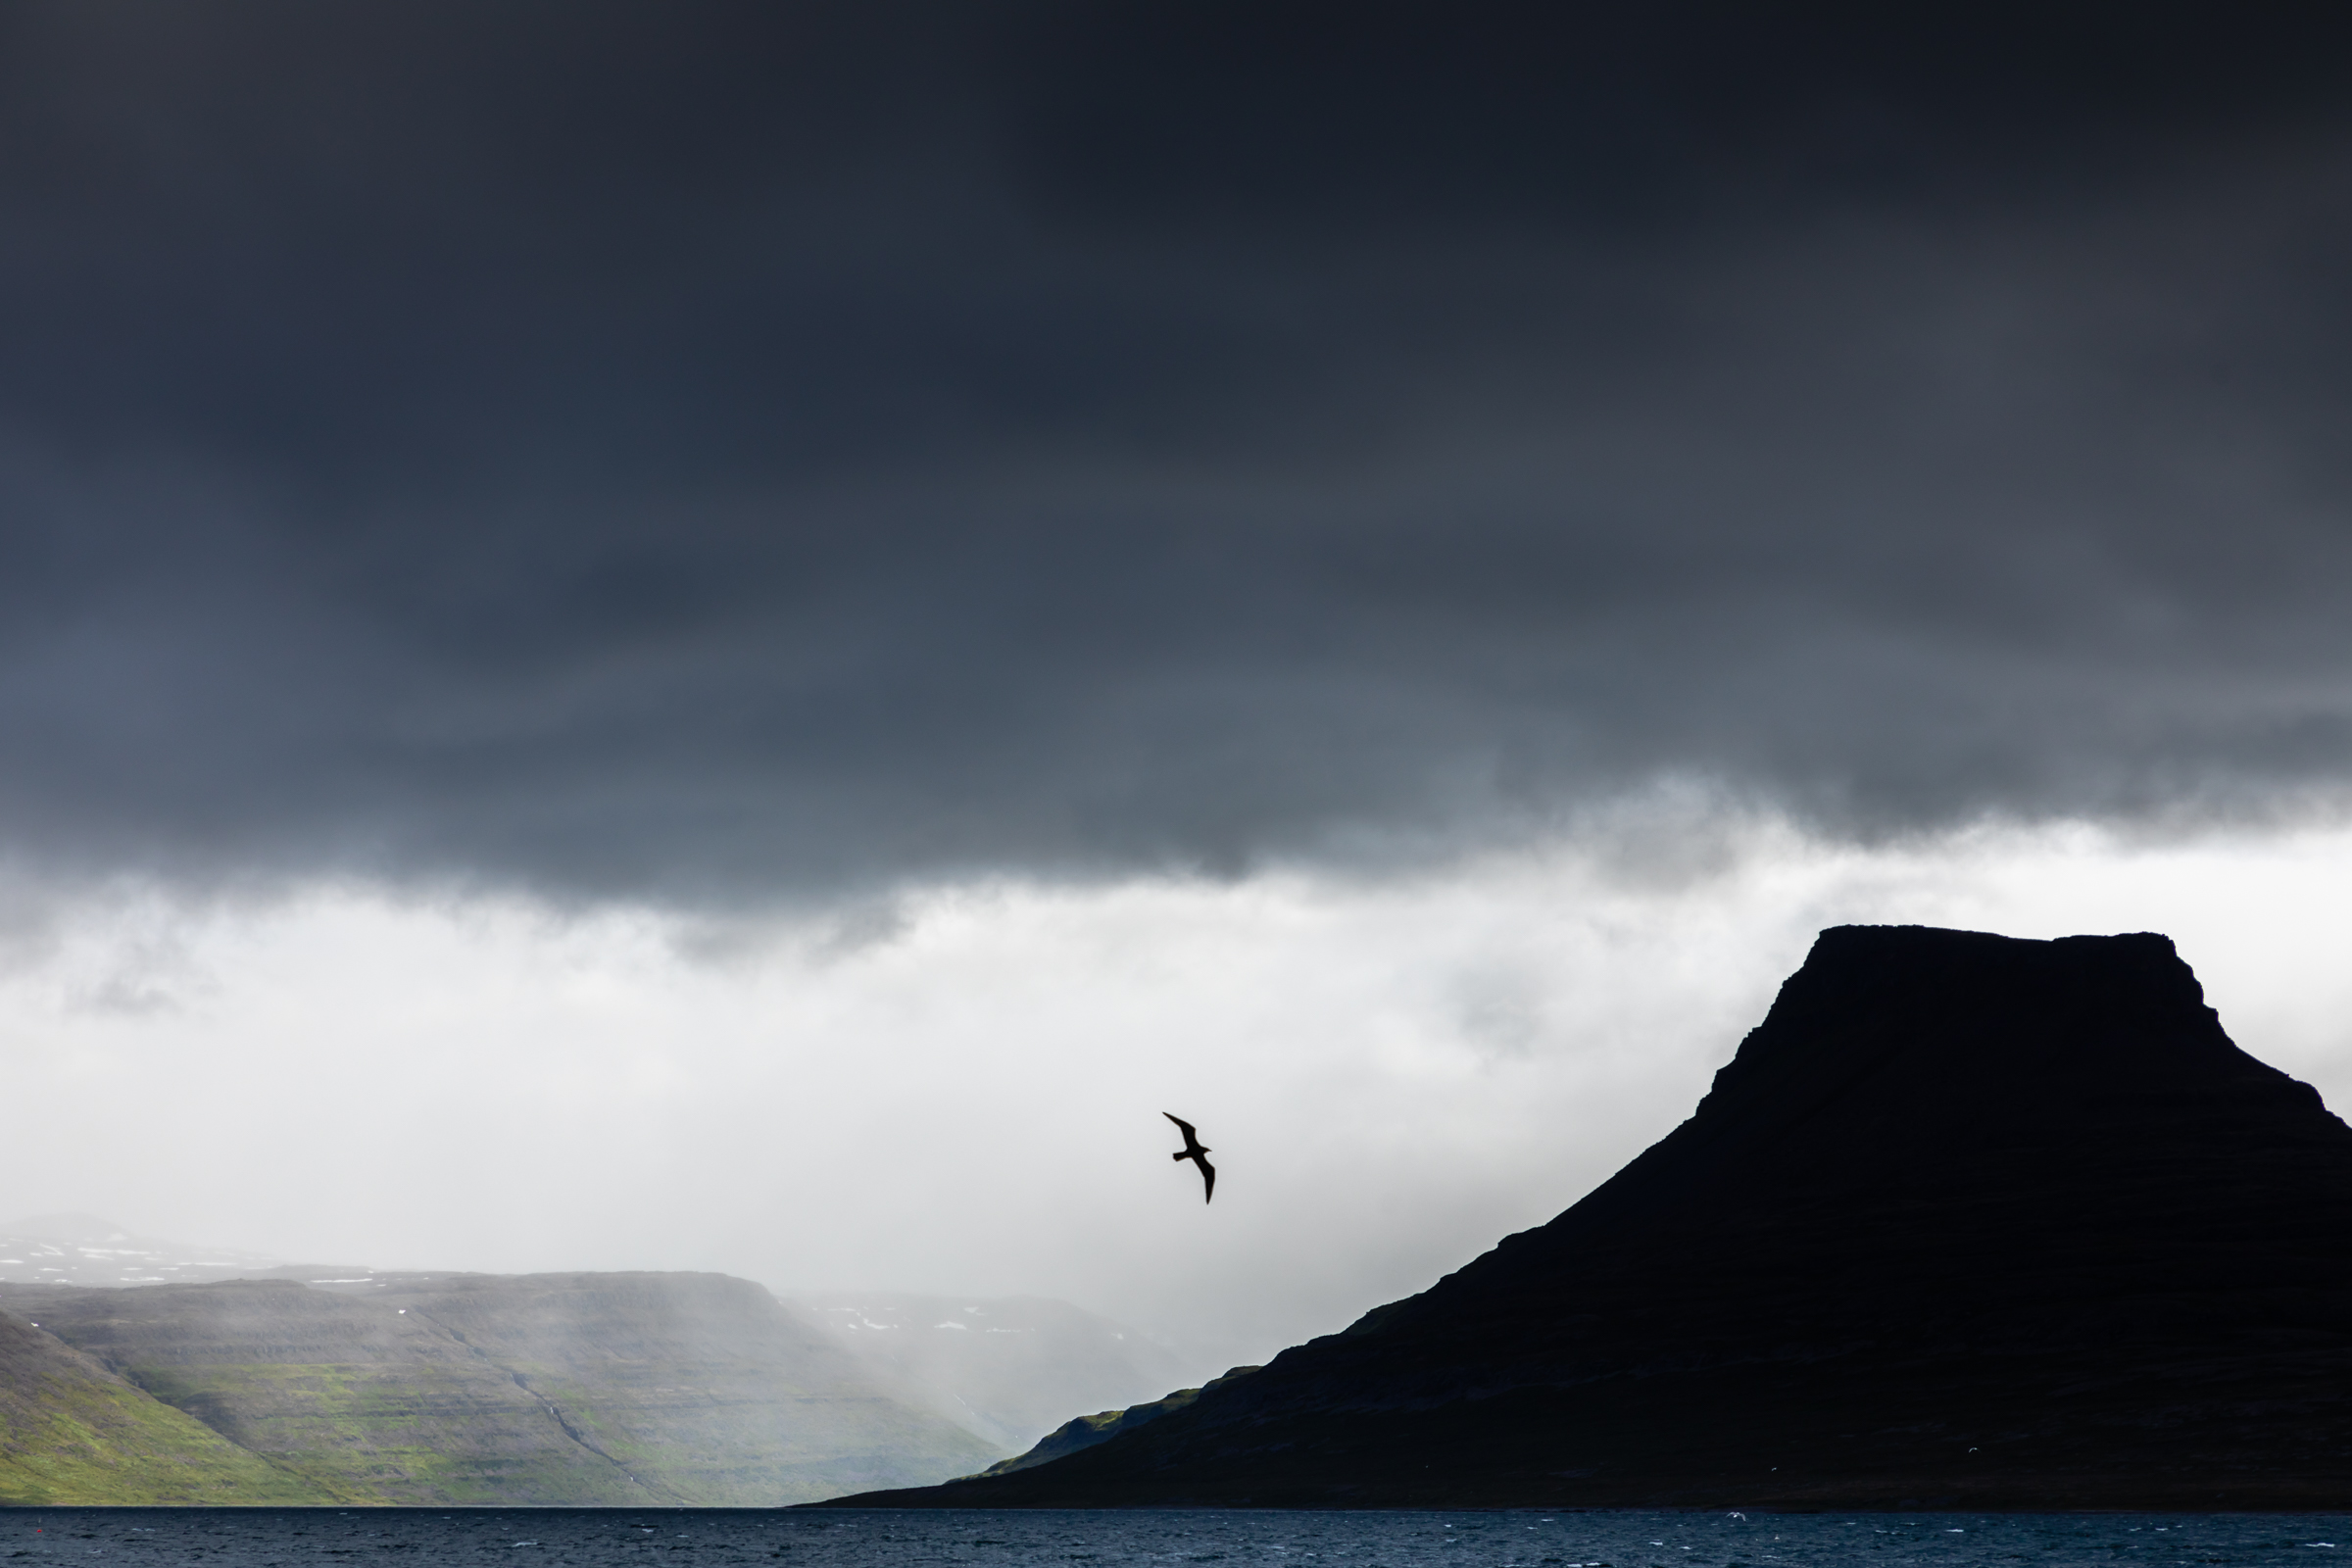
(1179,1154)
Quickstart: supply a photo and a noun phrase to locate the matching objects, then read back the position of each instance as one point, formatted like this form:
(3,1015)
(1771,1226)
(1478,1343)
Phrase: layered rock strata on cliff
(582,1389)
(72,1432)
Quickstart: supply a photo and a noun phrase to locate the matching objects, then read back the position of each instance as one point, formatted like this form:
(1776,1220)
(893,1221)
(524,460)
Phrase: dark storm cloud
(707,450)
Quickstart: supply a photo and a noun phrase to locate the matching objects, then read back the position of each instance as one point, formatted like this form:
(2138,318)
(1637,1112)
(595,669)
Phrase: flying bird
(1194,1151)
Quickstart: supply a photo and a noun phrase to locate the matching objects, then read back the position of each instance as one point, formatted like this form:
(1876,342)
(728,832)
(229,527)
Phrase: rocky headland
(1967,1222)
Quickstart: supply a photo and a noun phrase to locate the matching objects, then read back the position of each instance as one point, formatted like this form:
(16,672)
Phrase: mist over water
(1373,1538)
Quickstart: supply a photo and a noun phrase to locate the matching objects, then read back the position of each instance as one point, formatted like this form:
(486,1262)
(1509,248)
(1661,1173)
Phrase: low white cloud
(967,1096)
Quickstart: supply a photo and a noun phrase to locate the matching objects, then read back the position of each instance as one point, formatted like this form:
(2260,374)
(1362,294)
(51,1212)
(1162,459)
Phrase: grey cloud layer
(699,451)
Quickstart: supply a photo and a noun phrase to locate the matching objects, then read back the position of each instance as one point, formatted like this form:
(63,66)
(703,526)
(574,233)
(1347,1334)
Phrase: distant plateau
(552,1389)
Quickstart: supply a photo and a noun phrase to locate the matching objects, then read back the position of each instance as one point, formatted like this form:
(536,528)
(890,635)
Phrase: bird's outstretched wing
(1192,1139)
(1193,1151)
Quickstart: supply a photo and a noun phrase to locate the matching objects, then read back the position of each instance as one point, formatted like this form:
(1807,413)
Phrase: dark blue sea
(414,1538)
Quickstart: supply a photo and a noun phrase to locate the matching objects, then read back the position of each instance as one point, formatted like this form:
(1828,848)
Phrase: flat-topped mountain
(297,1383)
(1967,1222)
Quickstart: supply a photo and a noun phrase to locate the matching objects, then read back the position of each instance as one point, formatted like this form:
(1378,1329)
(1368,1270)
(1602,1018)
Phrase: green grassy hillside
(574,1389)
(365,1403)
(72,1432)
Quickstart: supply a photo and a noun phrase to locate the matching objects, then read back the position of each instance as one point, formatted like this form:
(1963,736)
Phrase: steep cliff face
(539,1388)
(72,1432)
(1967,1220)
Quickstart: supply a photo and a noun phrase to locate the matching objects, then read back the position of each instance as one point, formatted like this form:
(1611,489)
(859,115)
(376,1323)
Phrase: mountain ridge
(1966,1221)
(353,1386)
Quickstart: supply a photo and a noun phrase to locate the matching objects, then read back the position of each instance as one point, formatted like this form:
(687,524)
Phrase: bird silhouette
(1197,1153)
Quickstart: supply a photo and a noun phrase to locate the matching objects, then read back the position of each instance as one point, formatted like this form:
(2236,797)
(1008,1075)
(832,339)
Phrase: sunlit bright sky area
(960,1092)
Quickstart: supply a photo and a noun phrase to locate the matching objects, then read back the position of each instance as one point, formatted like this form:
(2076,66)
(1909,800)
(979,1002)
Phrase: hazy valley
(355,1386)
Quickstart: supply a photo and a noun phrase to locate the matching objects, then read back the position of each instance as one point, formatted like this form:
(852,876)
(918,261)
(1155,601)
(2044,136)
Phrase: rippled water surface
(234,1538)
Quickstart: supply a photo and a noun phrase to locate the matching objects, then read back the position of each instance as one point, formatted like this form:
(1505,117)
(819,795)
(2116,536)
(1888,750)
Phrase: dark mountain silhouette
(1967,1222)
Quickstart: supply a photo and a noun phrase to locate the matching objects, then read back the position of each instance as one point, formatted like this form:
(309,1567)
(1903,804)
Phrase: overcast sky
(598,601)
